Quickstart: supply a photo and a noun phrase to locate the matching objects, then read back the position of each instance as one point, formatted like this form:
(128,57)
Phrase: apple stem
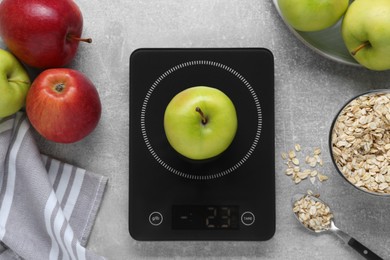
(204,118)
(72,37)
(361,46)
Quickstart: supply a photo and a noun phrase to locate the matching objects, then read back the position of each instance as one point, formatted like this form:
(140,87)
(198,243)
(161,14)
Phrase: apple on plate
(200,122)
(312,15)
(41,33)
(63,105)
(14,84)
(366,33)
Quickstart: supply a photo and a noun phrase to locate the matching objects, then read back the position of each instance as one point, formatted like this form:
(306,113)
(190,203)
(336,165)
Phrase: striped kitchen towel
(47,207)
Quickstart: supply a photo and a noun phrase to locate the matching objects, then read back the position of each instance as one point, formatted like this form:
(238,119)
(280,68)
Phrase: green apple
(200,122)
(14,84)
(312,15)
(366,33)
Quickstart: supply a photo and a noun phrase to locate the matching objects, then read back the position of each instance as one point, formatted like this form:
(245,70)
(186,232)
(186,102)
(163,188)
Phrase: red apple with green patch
(63,105)
(41,33)
(200,122)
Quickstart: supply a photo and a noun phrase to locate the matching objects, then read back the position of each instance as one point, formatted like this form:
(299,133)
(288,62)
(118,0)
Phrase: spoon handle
(364,251)
(359,247)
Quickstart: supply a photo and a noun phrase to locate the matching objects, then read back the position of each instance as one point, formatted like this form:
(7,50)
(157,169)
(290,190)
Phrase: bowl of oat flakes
(360,142)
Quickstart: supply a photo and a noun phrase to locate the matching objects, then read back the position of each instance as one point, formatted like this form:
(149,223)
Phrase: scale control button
(155,218)
(247,218)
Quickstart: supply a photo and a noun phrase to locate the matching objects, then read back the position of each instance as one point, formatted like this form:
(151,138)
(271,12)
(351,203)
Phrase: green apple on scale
(14,84)
(200,122)
(366,33)
(312,15)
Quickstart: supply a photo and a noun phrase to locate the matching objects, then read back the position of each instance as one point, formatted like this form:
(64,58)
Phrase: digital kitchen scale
(231,197)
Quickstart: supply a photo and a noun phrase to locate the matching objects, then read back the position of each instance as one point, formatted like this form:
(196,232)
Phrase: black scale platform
(229,198)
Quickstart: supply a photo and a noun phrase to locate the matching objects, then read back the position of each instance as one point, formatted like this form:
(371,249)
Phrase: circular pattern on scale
(182,173)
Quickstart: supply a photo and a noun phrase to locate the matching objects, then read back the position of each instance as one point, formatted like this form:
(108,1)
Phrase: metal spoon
(359,247)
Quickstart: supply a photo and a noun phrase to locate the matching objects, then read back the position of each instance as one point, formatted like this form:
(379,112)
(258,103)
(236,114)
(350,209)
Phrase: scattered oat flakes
(295,161)
(293,165)
(302,175)
(307,159)
(317,151)
(313,173)
(322,177)
(313,163)
(289,171)
(321,162)
(291,154)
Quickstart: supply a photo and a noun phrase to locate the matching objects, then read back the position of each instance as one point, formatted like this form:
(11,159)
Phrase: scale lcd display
(209,217)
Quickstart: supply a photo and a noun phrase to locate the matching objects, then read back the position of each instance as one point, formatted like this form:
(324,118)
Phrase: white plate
(328,42)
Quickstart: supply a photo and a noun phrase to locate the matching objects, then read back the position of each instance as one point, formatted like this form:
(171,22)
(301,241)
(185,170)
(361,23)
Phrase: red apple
(41,33)
(63,105)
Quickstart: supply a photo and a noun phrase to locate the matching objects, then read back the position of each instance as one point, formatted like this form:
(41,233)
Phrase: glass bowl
(328,42)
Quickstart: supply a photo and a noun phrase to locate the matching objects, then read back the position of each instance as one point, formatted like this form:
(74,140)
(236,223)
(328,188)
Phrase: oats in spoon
(312,213)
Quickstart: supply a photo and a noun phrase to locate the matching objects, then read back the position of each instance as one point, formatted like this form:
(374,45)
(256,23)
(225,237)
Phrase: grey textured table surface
(309,91)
